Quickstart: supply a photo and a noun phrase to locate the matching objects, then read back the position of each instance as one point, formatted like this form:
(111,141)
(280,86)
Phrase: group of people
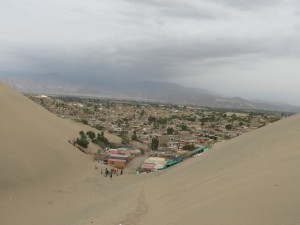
(112,172)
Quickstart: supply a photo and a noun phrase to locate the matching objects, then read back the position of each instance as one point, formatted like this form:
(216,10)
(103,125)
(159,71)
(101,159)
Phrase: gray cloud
(250,5)
(178,9)
(150,39)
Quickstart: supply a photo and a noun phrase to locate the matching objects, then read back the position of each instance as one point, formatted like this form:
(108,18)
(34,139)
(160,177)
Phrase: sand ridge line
(134,217)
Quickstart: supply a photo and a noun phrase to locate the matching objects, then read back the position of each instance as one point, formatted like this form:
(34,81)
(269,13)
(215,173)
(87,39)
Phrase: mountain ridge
(167,92)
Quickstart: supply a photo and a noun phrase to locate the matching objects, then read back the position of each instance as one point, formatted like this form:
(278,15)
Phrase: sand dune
(253,179)
(250,180)
(34,143)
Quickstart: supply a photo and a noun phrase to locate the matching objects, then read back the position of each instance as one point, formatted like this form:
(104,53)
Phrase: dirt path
(134,217)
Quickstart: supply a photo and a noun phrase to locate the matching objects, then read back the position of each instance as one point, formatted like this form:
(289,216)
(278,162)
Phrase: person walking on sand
(121,172)
(111,174)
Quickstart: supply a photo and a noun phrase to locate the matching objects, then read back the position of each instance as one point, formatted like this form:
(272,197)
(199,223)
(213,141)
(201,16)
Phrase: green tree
(188,147)
(184,127)
(91,134)
(84,121)
(170,130)
(82,134)
(142,113)
(82,142)
(134,136)
(98,127)
(152,119)
(154,144)
(101,140)
(228,127)
(162,120)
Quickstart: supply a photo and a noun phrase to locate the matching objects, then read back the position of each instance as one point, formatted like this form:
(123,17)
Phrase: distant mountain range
(165,92)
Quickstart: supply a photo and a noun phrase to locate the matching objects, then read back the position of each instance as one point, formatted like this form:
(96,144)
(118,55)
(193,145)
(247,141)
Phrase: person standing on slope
(111,172)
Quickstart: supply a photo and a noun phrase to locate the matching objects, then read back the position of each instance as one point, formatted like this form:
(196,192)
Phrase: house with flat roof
(118,161)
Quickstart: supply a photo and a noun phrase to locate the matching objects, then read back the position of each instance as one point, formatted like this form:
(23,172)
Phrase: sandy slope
(44,179)
(250,180)
(253,179)
(34,143)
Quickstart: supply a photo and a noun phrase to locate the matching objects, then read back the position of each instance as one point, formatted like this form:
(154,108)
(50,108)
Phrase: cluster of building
(158,163)
(177,128)
(154,163)
(119,158)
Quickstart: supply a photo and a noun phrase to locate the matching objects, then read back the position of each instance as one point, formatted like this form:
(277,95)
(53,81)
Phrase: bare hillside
(34,143)
(250,180)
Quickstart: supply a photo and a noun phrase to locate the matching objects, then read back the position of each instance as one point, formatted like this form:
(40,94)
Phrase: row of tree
(98,140)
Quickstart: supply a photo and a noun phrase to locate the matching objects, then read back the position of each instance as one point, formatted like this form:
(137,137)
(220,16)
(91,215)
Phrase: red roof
(148,166)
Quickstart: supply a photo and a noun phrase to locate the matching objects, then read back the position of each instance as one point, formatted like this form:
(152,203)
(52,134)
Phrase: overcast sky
(239,48)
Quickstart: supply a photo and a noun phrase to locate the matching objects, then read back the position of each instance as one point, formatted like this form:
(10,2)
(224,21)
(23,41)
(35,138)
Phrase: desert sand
(249,180)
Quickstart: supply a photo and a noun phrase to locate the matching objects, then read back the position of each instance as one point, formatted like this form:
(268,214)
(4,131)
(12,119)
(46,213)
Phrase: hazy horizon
(231,47)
